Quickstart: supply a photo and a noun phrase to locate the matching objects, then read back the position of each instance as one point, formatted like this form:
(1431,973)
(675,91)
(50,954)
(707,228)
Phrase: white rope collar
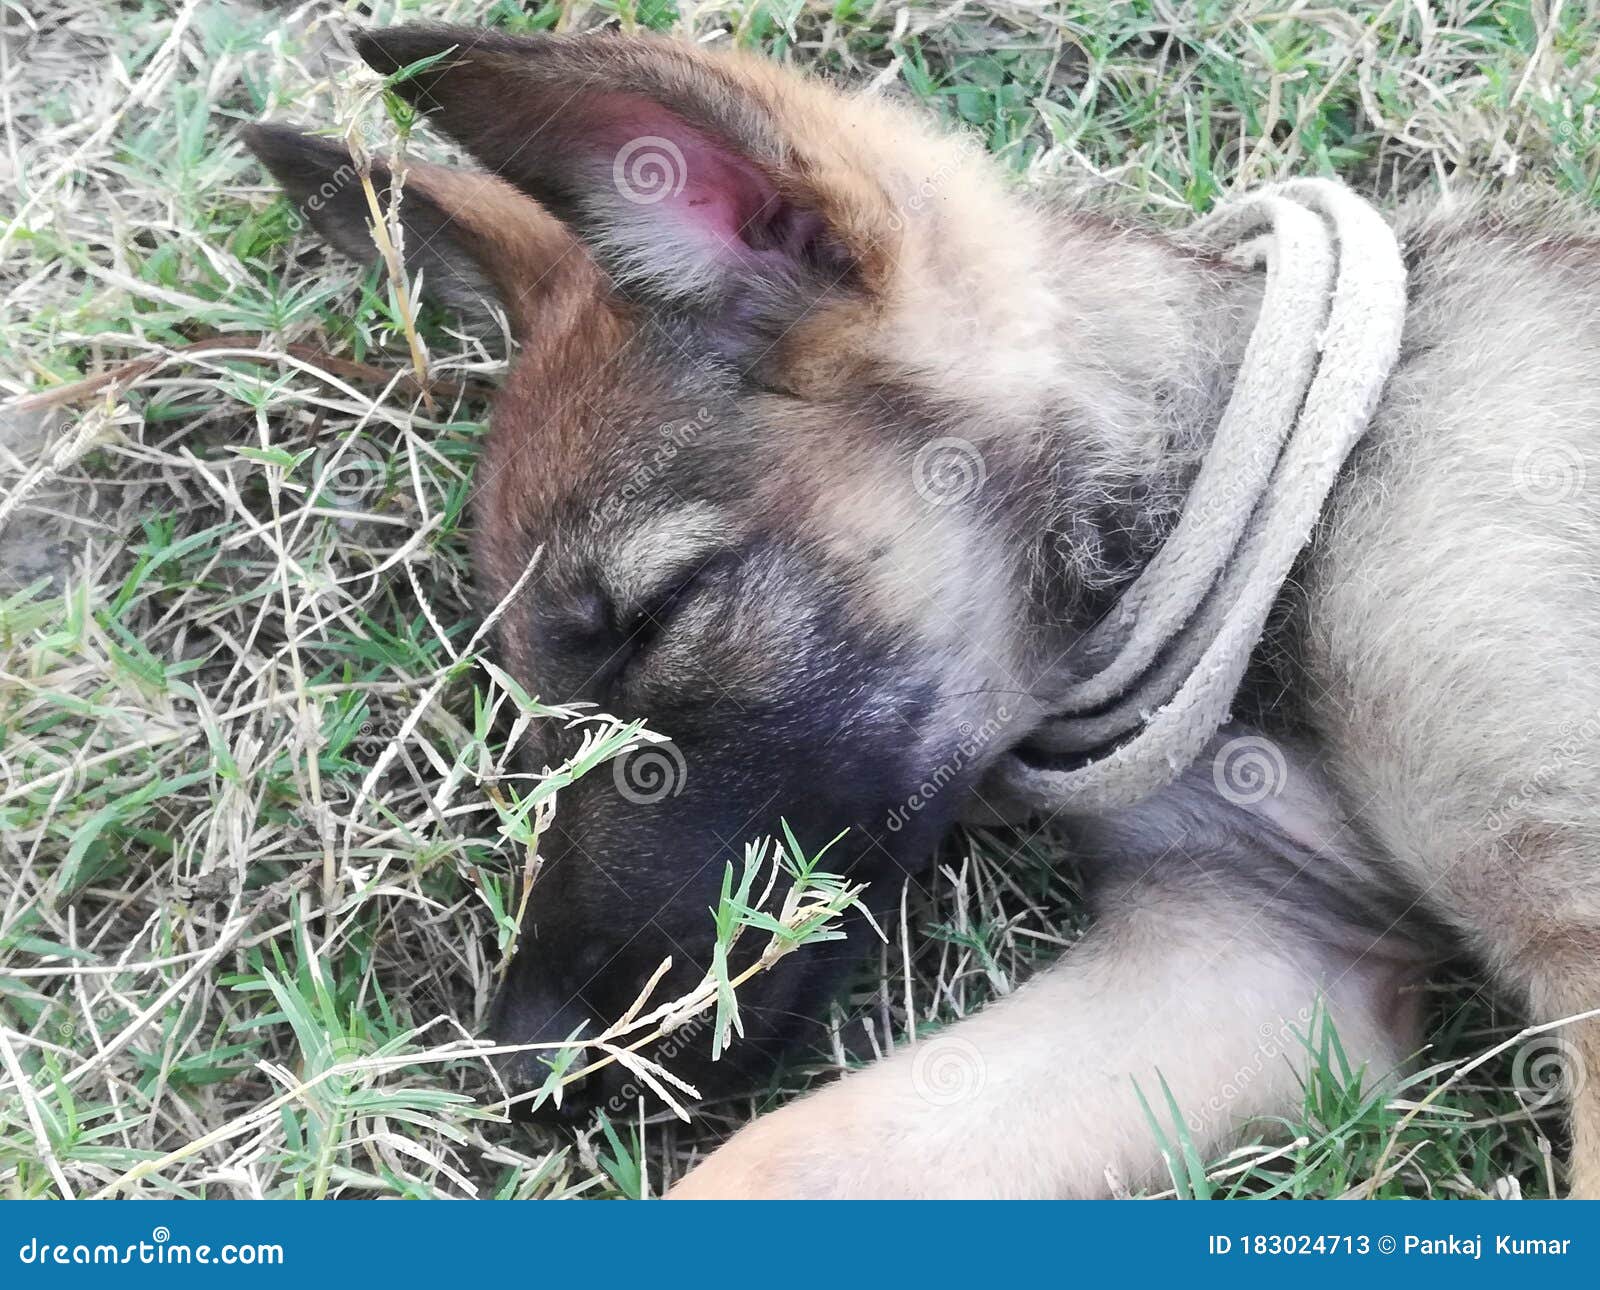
(1177,644)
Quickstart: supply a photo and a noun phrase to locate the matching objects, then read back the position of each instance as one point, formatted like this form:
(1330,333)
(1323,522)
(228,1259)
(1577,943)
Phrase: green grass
(260,857)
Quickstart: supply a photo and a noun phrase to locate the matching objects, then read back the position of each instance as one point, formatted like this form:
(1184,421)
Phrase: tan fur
(1451,629)
(1442,641)
(536,265)
(1038,1096)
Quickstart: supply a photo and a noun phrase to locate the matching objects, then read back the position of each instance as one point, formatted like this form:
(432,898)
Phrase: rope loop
(1177,646)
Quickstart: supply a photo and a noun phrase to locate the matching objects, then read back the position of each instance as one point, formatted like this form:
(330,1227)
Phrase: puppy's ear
(473,240)
(721,187)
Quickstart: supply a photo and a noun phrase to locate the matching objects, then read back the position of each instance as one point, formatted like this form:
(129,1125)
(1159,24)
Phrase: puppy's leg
(1555,959)
(1191,975)
(1584,1168)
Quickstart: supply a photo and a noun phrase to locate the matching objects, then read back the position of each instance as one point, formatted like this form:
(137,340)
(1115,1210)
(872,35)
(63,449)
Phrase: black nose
(531,1008)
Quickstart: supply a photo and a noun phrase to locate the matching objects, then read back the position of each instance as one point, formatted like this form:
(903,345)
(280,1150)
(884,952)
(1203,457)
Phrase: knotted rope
(1177,644)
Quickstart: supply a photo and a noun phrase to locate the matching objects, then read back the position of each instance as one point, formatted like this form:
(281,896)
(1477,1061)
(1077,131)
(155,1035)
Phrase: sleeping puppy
(925,429)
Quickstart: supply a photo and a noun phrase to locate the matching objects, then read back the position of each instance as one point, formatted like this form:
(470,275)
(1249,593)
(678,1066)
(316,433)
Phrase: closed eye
(643,627)
(649,622)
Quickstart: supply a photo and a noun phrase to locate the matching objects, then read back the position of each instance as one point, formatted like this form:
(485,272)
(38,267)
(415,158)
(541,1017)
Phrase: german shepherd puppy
(924,429)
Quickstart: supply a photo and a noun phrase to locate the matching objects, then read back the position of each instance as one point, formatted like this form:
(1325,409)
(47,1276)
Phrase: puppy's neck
(1152,336)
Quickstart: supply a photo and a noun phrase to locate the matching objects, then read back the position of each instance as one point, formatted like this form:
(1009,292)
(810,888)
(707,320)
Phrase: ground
(258,865)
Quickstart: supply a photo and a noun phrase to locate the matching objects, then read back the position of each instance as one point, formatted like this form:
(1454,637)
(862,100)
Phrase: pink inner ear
(661,164)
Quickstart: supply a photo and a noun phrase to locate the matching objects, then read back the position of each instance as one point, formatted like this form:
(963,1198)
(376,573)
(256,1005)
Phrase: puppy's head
(767,431)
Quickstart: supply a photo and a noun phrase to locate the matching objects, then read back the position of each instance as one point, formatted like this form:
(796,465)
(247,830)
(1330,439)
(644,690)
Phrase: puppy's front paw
(878,1134)
(796,1153)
